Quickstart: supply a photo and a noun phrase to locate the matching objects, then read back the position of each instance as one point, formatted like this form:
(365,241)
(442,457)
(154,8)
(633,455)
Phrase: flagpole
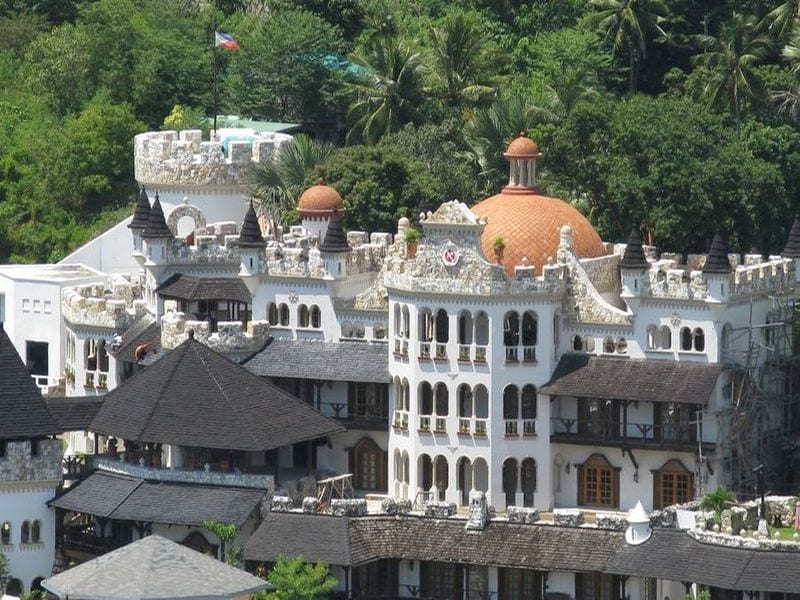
(215,69)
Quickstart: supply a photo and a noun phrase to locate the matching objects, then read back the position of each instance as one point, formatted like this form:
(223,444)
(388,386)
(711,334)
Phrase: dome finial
(320,181)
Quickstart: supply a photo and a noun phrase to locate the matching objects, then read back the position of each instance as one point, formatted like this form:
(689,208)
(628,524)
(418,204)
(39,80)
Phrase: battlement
(184,158)
(115,304)
(18,463)
(231,336)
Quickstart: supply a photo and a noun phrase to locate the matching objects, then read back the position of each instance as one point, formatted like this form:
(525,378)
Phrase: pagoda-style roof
(141,214)
(250,234)
(156,223)
(634,257)
(186,287)
(792,248)
(23,412)
(717,261)
(194,396)
(335,238)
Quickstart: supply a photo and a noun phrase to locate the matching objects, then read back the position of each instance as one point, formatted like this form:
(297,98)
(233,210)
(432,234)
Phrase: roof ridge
(160,394)
(128,495)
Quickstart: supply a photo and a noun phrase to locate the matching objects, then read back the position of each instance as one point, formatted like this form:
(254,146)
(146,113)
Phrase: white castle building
(510,354)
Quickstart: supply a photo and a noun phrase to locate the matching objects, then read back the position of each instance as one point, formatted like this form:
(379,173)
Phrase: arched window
(368,466)
(426,325)
(25,533)
(666,338)
(672,484)
(5,533)
(511,409)
(528,481)
(397,324)
(36,532)
(510,481)
(529,402)
(598,483)
(442,401)
(465,327)
(90,354)
(102,357)
(425,399)
(686,338)
(406,321)
(482,329)
(442,326)
(529,328)
(379,331)
(698,340)
(425,472)
(441,476)
(347,329)
(358,330)
(316,317)
(652,337)
(405,395)
(622,345)
(302,316)
(464,483)
(272,313)
(609,346)
(480,475)
(577,343)
(464,401)
(727,340)
(511,329)
(283,314)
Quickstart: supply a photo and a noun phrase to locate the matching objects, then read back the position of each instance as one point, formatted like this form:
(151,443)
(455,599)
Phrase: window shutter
(657,490)
(615,487)
(581,486)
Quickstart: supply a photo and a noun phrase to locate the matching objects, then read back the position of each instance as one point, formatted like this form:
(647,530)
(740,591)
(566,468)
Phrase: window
(672,484)
(368,465)
(511,408)
(511,329)
(443,581)
(609,346)
(368,401)
(675,422)
(598,586)
(302,316)
(36,536)
(5,533)
(598,484)
(283,315)
(598,418)
(520,584)
(379,578)
(698,340)
(686,339)
(347,329)
(34,447)
(25,533)
(37,357)
(379,331)
(26,305)
(359,330)
(510,481)
(529,402)
(530,329)
(528,480)
(272,313)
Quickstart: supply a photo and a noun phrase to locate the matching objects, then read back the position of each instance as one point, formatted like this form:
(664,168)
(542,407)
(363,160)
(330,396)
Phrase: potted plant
(718,500)
(412,242)
(499,245)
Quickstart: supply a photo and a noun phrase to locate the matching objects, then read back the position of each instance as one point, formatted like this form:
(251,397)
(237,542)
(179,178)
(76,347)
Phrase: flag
(224,40)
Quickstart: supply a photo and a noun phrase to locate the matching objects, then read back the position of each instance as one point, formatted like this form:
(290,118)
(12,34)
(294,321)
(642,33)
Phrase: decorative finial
(523,134)
(191,334)
(321,181)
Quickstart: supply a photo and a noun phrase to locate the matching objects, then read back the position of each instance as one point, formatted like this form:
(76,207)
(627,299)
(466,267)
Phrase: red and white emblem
(450,255)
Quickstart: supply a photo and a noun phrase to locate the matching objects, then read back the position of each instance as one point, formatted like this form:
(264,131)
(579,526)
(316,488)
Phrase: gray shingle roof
(792,248)
(186,287)
(326,361)
(74,413)
(156,223)
(634,257)
(23,412)
(250,234)
(194,396)
(335,239)
(318,538)
(145,332)
(154,568)
(632,379)
(117,496)
(141,215)
(717,261)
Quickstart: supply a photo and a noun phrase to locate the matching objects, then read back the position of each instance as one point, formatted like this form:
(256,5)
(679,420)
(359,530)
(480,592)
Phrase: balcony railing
(441,351)
(88,544)
(424,349)
(424,423)
(401,347)
(529,354)
(471,425)
(511,427)
(647,434)
(480,354)
(369,416)
(512,354)
(400,420)
(441,425)
(528,426)
(464,351)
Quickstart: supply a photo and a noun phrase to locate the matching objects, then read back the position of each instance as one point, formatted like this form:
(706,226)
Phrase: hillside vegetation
(674,115)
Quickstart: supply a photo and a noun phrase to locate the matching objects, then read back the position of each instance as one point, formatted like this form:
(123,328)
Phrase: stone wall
(115,304)
(231,336)
(19,465)
(172,158)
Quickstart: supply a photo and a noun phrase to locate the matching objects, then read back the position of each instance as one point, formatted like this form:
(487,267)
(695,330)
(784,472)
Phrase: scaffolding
(761,423)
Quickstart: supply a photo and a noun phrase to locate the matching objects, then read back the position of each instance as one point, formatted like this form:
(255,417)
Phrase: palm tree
(791,52)
(731,58)
(461,60)
(780,21)
(277,184)
(388,96)
(788,101)
(630,24)
(718,500)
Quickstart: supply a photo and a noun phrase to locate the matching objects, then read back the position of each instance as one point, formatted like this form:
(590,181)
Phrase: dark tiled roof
(118,496)
(335,239)
(250,235)
(634,257)
(156,223)
(673,554)
(632,379)
(141,215)
(186,287)
(792,248)
(23,412)
(717,261)
(194,396)
(327,361)
(74,413)
(356,541)
(145,332)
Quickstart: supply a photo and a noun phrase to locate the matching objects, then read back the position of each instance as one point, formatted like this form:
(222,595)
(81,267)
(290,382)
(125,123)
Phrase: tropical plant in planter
(499,245)
(718,500)
(412,242)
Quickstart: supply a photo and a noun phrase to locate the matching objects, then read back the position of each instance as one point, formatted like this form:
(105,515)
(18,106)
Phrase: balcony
(673,436)
(401,347)
(424,349)
(82,544)
(370,417)
(441,352)
(400,420)
(471,426)
(529,354)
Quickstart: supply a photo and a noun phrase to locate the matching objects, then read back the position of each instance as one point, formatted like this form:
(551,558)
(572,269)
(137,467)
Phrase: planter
(411,249)
(498,255)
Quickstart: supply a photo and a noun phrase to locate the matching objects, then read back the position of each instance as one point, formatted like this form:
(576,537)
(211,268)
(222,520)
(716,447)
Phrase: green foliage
(186,117)
(295,579)
(718,500)
(412,236)
(226,532)
(4,568)
(498,243)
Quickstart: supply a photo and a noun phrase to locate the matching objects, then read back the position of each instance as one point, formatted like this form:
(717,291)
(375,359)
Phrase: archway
(185,219)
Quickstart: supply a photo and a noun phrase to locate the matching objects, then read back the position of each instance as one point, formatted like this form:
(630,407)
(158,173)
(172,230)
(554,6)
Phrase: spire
(250,234)
(717,262)
(634,257)
(792,248)
(141,214)
(335,240)
(156,223)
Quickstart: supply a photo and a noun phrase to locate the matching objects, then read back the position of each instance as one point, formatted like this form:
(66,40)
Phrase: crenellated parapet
(20,464)
(230,336)
(115,304)
(184,158)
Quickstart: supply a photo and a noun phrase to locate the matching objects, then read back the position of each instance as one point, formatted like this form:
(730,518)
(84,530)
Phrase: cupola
(250,243)
(335,249)
(141,216)
(717,269)
(633,266)
(156,234)
(639,530)
(316,206)
(522,155)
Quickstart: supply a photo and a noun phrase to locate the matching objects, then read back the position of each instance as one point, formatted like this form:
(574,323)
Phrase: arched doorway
(368,464)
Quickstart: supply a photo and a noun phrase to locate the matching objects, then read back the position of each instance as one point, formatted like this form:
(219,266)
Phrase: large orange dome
(530,226)
(319,199)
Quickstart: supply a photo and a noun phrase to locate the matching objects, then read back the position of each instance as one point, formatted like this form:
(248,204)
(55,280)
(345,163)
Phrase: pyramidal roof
(141,215)
(335,240)
(194,396)
(250,235)
(23,412)
(156,223)
(792,248)
(634,257)
(717,261)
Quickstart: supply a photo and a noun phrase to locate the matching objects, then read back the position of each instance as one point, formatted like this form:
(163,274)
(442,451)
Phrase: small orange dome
(319,198)
(522,147)
(530,225)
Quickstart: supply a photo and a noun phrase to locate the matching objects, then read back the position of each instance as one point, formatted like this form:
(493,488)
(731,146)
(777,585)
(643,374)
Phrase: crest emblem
(450,255)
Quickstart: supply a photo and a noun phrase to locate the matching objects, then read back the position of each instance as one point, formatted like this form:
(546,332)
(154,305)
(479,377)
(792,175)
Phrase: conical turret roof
(156,223)
(250,234)
(634,257)
(717,261)
(335,239)
(792,248)
(141,215)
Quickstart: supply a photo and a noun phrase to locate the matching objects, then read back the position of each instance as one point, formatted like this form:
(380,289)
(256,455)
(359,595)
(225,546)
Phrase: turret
(717,270)
(141,216)
(634,266)
(522,155)
(639,530)
(317,206)
(792,248)
(335,249)
(156,235)
(251,249)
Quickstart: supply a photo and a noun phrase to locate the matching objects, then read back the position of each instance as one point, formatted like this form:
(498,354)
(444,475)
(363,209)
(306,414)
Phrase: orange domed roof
(320,198)
(530,226)
(522,147)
